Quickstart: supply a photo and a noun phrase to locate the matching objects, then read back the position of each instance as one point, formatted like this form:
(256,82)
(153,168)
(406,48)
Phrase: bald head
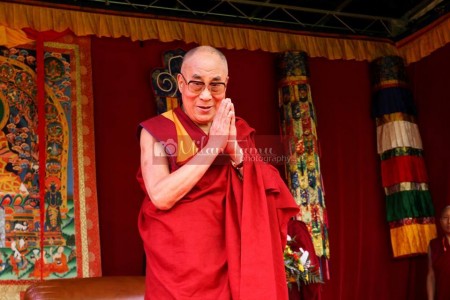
(204,50)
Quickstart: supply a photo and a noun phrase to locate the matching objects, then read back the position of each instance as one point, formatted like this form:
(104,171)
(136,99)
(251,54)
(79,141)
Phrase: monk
(41,267)
(439,261)
(214,220)
(59,264)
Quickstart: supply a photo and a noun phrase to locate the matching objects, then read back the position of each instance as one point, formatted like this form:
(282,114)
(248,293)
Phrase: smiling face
(207,66)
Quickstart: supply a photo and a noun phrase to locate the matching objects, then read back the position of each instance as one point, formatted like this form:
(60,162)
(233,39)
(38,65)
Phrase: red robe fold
(225,238)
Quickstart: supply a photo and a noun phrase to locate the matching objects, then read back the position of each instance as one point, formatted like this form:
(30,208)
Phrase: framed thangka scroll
(48,203)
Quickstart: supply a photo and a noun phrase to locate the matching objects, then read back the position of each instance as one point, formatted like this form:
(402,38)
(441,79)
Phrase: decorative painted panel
(53,233)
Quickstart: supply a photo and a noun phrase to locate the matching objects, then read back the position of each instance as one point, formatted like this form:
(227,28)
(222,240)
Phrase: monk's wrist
(237,163)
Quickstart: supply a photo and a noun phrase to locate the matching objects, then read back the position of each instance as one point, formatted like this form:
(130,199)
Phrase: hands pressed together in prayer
(166,188)
(222,133)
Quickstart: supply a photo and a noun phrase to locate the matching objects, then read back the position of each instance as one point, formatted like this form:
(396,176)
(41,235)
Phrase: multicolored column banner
(164,81)
(298,128)
(410,211)
(48,199)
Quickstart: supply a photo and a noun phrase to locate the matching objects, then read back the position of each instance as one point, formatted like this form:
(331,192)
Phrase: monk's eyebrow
(217,78)
(198,77)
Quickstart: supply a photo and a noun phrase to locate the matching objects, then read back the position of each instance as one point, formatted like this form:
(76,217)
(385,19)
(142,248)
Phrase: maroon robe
(225,238)
(440,259)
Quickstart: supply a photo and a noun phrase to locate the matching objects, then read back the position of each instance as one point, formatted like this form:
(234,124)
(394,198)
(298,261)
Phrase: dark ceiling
(392,19)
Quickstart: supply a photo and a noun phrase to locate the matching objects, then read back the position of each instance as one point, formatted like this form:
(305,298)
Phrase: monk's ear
(180,81)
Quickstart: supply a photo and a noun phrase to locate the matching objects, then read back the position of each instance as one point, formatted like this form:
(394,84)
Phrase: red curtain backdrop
(430,85)
(361,263)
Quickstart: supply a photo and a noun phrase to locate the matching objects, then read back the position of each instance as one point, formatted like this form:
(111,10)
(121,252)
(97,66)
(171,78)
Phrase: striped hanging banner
(409,208)
(298,129)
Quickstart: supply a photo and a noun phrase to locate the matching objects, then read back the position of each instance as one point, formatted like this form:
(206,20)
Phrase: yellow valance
(427,40)
(15,16)
(12,37)
(19,16)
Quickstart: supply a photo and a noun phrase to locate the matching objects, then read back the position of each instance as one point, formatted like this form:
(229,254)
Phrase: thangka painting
(50,233)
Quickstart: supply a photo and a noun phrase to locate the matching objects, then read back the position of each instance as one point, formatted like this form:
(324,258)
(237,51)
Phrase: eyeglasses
(196,87)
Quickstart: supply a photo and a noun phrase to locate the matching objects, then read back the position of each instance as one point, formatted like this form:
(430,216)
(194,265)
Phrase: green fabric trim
(401,151)
(409,204)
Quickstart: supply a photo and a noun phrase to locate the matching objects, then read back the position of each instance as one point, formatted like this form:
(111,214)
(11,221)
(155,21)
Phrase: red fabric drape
(359,240)
(430,82)
(361,265)
(403,169)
